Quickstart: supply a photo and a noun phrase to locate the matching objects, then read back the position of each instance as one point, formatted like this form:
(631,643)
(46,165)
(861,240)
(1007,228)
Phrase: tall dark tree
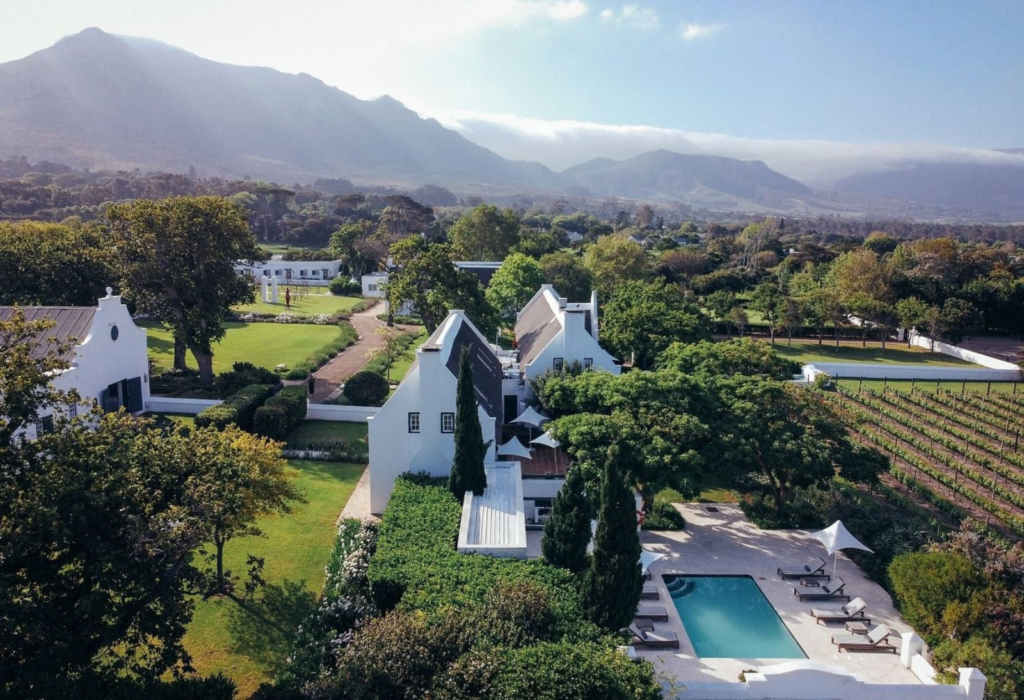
(178,260)
(612,586)
(567,531)
(470,448)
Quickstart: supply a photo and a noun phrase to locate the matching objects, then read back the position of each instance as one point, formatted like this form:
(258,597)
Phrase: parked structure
(108,363)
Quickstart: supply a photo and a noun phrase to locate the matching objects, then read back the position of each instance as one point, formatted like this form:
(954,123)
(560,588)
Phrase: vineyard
(954,455)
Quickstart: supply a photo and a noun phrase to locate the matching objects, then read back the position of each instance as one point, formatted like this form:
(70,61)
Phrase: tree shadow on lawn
(160,346)
(263,629)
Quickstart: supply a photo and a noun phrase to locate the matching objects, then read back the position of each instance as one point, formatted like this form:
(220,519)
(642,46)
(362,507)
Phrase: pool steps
(680,587)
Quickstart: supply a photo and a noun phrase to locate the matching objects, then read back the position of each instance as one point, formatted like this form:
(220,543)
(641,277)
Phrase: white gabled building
(552,333)
(293,272)
(108,363)
(415,430)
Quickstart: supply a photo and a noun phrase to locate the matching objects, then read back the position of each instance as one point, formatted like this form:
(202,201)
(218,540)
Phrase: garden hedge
(366,388)
(282,413)
(239,408)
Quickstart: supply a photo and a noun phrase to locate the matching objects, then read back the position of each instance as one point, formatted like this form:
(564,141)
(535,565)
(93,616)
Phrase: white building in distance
(108,363)
(295,272)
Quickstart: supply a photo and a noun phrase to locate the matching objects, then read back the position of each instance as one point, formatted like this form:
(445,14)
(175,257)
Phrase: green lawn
(311,305)
(402,367)
(320,430)
(805,350)
(187,421)
(263,344)
(249,641)
(905,385)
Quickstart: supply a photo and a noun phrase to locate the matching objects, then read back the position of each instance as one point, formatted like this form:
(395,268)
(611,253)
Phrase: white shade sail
(546,439)
(836,537)
(648,558)
(514,448)
(531,417)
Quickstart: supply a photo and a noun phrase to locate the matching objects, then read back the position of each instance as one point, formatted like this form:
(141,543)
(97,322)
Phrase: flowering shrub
(322,319)
(287,318)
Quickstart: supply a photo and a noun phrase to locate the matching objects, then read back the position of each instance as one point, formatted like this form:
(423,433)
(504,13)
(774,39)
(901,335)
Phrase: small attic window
(114,332)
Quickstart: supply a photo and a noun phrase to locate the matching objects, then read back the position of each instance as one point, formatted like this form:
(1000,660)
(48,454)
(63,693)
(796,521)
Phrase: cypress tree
(612,585)
(567,531)
(468,466)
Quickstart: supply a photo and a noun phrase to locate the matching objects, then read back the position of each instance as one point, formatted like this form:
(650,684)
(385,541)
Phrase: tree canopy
(514,284)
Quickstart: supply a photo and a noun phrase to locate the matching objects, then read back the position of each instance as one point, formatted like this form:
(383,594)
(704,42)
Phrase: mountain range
(109,102)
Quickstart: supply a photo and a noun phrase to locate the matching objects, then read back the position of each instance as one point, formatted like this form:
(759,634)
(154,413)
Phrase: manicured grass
(248,641)
(906,385)
(320,430)
(187,421)
(263,344)
(895,353)
(402,367)
(711,492)
(310,305)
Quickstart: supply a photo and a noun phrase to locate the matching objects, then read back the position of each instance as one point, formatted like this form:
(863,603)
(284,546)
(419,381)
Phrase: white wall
(430,390)
(968,355)
(850,370)
(372,285)
(572,344)
(279,268)
(349,414)
(100,360)
(163,404)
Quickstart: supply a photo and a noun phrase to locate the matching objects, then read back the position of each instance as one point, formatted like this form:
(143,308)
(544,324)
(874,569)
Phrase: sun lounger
(832,589)
(875,640)
(650,639)
(854,610)
(811,569)
(652,612)
(650,592)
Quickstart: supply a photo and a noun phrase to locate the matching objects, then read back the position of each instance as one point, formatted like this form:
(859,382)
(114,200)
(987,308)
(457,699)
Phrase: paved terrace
(727,543)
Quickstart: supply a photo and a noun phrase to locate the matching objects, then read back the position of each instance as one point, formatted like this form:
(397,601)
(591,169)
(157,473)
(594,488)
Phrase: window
(45,425)
(447,422)
(414,422)
(588,362)
(559,364)
(372,288)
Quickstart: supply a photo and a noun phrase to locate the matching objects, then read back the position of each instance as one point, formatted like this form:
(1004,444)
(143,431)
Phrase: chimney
(593,313)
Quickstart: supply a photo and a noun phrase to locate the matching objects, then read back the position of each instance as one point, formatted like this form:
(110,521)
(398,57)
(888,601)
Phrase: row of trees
(104,527)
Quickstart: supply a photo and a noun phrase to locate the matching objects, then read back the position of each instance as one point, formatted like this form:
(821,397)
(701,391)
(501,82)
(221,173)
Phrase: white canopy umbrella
(836,537)
(531,417)
(648,558)
(547,440)
(514,448)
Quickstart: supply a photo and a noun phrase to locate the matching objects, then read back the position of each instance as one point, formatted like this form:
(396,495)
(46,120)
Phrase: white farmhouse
(373,285)
(294,272)
(108,364)
(415,430)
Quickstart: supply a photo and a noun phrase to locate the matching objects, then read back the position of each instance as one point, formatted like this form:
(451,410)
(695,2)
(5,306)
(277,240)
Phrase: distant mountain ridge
(107,102)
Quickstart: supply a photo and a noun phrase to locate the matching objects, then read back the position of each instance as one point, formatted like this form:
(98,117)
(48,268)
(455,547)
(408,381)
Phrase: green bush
(240,408)
(937,592)
(281,414)
(243,374)
(341,286)
(366,388)
(664,516)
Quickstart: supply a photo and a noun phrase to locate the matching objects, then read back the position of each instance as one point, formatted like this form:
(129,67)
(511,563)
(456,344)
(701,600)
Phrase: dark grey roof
(483,271)
(534,330)
(486,369)
(72,323)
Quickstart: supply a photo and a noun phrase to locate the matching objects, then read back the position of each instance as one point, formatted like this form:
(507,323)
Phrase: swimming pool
(729,617)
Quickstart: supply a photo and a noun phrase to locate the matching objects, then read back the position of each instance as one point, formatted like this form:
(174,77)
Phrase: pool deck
(727,543)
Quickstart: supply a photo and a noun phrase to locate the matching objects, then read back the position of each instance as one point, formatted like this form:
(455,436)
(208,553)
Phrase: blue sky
(936,72)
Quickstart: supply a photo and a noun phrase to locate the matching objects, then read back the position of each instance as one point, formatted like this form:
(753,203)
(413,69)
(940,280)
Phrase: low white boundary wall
(968,355)
(161,404)
(859,370)
(349,414)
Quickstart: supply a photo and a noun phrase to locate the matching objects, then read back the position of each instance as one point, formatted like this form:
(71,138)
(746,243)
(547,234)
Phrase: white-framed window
(447,422)
(414,421)
(372,288)
(559,363)
(588,362)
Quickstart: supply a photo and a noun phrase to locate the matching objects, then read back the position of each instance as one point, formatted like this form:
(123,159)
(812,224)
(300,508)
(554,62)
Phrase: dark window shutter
(134,395)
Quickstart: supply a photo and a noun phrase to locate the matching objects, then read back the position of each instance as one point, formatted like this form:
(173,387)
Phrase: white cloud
(633,16)
(571,9)
(562,144)
(691,30)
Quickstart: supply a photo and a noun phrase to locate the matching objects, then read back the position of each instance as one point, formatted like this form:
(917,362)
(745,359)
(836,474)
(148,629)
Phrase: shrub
(239,408)
(243,374)
(282,413)
(664,516)
(366,388)
(341,286)
(935,591)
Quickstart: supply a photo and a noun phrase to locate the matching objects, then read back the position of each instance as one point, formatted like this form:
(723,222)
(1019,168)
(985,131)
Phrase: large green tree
(177,260)
(426,278)
(567,530)
(514,284)
(567,274)
(470,449)
(614,260)
(485,233)
(644,318)
(612,585)
(723,359)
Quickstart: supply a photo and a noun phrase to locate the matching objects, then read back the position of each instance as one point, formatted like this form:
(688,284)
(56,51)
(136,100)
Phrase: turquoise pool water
(729,617)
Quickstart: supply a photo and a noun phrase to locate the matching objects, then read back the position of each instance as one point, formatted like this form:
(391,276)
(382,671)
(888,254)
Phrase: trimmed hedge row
(346,336)
(239,408)
(281,413)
